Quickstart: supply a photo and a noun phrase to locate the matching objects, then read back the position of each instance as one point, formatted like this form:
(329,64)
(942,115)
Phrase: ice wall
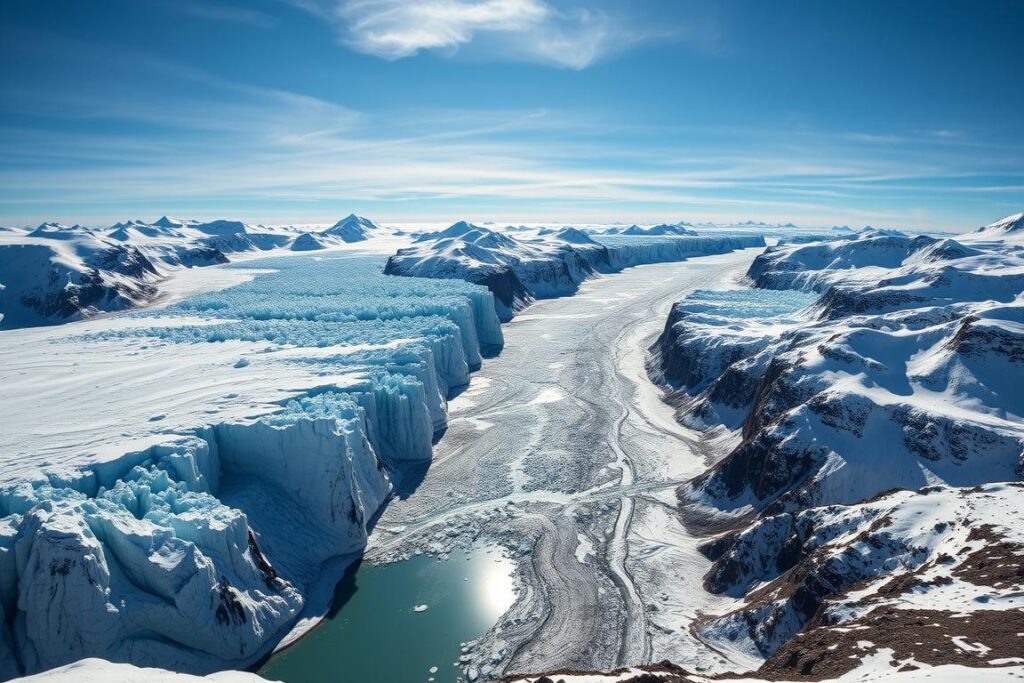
(629,250)
(196,554)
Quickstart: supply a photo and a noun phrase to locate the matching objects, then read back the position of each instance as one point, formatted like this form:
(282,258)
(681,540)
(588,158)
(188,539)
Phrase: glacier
(248,439)
(196,551)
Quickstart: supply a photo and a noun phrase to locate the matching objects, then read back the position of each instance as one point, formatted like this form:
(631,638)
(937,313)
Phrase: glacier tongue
(195,552)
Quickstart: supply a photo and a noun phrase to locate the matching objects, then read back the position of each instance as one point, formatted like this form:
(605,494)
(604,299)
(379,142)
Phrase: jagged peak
(168,222)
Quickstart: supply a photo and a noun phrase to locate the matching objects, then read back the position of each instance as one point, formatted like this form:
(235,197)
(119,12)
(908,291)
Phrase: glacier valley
(671,434)
(177,482)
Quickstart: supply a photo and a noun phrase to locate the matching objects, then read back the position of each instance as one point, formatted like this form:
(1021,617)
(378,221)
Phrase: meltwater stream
(401,622)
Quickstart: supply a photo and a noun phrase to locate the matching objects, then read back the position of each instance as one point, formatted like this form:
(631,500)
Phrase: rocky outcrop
(893,378)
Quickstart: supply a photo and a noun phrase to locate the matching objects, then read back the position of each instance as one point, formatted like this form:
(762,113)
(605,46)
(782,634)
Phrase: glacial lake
(374,634)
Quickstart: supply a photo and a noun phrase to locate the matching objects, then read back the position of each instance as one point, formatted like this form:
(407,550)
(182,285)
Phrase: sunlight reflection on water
(380,611)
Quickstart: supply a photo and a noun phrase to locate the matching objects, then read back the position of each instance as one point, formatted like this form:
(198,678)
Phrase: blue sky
(891,113)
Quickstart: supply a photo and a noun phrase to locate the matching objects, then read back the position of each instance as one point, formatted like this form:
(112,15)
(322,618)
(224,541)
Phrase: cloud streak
(214,11)
(189,141)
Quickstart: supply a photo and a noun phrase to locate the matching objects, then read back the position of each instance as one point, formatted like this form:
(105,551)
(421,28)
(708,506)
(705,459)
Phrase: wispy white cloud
(184,140)
(215,11)
(519,30)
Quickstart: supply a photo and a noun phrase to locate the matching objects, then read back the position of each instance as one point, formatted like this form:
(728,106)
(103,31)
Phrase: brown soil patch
(933,637)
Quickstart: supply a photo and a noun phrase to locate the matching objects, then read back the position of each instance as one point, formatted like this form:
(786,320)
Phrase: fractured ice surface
(195,552)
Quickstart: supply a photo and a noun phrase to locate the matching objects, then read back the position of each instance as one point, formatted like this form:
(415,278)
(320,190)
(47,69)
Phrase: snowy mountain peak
(222,227)
(59,231)
(167,222)
(574,236)
(351,228)
(307,241)
(353,220)
(1009,229)
(1014,223)
(460,228)
(658,230)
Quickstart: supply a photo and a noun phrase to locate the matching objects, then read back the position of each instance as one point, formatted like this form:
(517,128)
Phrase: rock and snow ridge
(57,273)
(878,667)
(191,541)
(853,368)
(517,271)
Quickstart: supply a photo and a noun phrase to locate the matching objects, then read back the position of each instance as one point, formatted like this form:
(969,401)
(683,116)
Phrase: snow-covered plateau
(178,482)
(866,393)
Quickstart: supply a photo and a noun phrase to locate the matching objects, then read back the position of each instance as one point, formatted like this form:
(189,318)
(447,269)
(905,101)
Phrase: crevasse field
(209,506)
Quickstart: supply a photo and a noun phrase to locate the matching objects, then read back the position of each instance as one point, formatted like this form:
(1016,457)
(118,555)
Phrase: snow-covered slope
(223,455)
(853,368)
(518,271)
(934,576)
(352,228)
(56,273)
(877,668)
